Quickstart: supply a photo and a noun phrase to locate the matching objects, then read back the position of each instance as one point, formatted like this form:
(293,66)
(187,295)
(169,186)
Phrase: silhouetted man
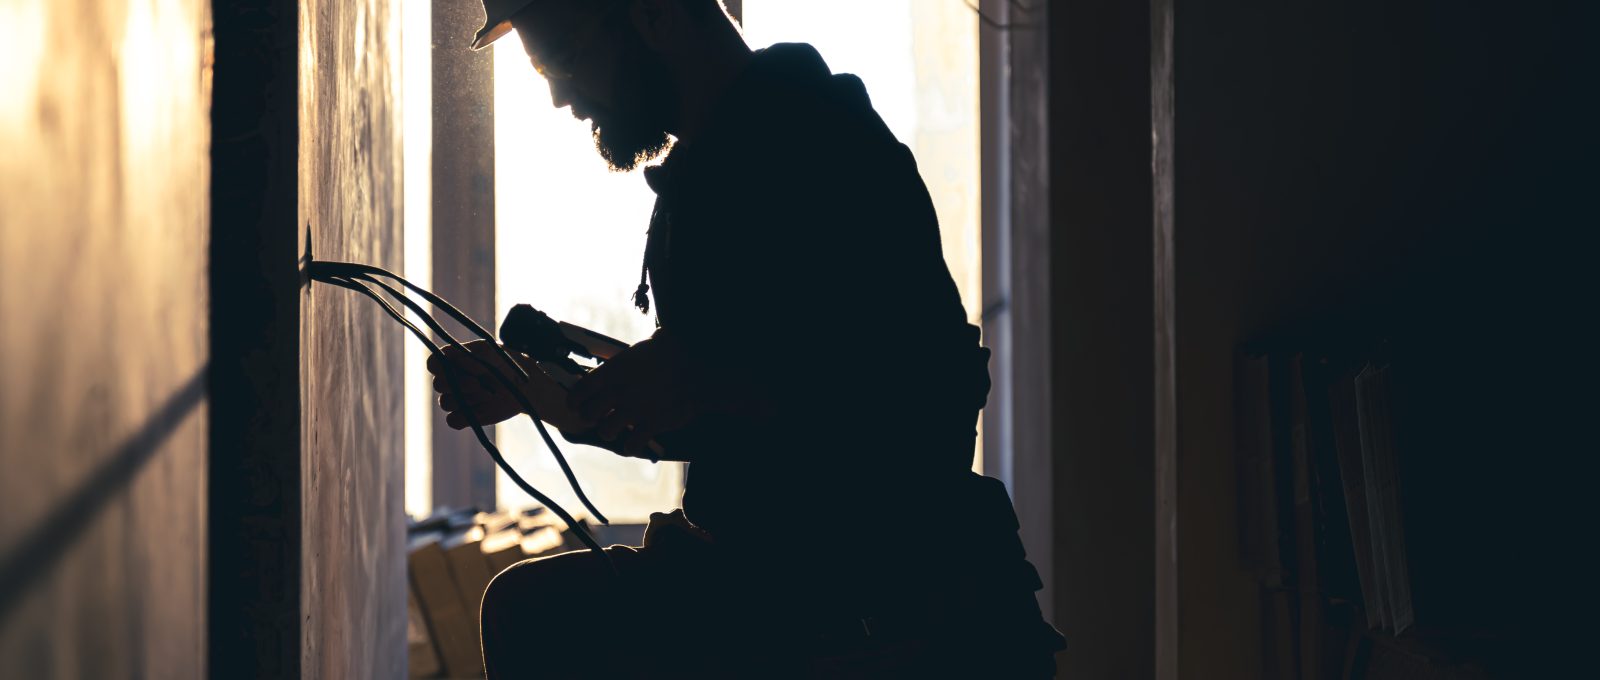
(812,362)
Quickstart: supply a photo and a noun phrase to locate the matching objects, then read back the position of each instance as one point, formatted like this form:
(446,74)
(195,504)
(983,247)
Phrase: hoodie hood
(780,82)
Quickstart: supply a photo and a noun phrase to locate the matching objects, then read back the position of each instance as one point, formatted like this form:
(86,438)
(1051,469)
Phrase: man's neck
(703,82)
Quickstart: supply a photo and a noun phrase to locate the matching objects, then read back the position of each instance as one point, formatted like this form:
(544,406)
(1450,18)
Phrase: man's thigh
(558,616)
(572,615)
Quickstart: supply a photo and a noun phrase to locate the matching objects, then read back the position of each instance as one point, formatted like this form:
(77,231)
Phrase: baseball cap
(497,20)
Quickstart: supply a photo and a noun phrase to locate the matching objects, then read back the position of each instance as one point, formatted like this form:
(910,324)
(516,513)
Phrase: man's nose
(560,93)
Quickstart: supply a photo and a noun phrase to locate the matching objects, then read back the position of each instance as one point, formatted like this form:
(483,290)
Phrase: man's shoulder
(791,106)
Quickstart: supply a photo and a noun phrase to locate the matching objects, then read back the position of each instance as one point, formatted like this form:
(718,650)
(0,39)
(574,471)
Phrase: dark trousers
(682,608)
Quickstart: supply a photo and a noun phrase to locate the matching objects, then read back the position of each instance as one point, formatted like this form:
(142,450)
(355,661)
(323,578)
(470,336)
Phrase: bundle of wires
(362,278)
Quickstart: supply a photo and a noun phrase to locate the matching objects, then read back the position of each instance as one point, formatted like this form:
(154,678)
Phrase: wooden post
(463,223)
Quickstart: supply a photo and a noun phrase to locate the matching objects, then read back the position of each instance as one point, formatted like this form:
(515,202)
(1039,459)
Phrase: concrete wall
(351,439)
(103,232)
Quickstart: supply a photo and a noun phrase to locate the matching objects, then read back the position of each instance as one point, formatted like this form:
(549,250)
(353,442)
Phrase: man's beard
(630,135)
(627,145)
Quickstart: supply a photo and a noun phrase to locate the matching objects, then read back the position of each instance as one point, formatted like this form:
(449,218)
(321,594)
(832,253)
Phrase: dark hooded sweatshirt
(794,248)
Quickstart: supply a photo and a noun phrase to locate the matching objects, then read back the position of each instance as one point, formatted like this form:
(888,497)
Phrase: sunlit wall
(104,233)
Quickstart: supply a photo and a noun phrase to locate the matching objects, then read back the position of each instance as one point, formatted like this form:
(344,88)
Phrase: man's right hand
(488,398)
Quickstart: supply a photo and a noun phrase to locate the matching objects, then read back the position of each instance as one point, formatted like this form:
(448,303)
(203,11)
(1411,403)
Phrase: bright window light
(570,238)
(417,114)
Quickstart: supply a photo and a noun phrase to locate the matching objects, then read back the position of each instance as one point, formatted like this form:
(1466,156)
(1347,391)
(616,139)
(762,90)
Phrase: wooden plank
(1164,269)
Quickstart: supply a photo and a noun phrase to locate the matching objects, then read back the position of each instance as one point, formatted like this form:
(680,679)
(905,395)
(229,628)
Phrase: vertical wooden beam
(1165,326)
(1033,328)
(1102,349)
(463,222)
(254,523)
(1015,175)
(994,178)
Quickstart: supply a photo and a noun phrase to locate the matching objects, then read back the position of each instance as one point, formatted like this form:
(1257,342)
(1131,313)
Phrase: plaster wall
(103,238)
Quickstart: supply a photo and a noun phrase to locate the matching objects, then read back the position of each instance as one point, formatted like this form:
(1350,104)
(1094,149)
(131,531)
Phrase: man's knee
(551,601)
(536,588)
(553,591)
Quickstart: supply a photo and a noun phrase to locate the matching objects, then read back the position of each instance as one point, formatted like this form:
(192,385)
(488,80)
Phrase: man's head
(622,64)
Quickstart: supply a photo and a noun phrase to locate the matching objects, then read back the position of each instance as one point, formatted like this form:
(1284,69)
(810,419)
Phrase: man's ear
(659,22)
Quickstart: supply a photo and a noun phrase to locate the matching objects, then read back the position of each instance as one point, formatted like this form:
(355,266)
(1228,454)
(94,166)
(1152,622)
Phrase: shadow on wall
(31,558)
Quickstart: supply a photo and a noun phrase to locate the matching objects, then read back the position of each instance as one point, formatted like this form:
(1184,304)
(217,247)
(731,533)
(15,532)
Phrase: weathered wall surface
(103,232)
(352,453)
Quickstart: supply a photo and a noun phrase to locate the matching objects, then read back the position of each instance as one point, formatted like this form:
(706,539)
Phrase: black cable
(522,400)
(465,320)
(472,420)
(435,300)
(326,267)
(352,284)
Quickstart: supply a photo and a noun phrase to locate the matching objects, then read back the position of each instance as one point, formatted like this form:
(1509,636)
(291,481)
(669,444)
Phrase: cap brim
(490,33)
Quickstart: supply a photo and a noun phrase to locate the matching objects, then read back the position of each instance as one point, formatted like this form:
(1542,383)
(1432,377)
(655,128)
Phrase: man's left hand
(643,391)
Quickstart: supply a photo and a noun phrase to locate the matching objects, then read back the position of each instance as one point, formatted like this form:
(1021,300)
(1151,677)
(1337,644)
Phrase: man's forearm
(669,452)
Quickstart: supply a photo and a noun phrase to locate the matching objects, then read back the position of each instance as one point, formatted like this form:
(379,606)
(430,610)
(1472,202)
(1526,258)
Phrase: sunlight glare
(570,238)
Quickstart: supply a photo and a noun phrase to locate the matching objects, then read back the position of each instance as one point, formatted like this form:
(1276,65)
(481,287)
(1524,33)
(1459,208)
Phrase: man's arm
(655,388)
(488,399)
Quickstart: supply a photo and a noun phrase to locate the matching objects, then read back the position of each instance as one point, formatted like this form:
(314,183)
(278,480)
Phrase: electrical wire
(450,377)
(494,371)
(325,267)
(329,275)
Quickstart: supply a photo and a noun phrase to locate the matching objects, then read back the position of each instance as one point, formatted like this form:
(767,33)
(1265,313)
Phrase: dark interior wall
(1102,337)
(1378,170)
(103,296)
(351,438)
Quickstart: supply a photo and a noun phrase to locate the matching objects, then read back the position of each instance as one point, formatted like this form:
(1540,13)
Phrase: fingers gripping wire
(522,400)
(358,284)
(451,378)
(366,272)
